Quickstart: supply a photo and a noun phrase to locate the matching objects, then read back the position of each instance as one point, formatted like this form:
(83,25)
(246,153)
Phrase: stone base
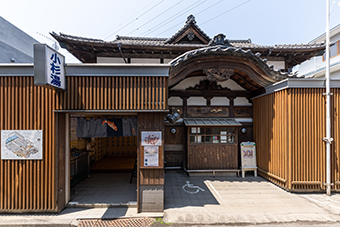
(151,198)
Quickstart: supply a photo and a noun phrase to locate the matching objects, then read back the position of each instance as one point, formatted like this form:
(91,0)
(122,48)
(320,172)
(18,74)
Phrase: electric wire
(226,12)
(195,14)
(155,17)
(170,19)
(129,18)
(135,19)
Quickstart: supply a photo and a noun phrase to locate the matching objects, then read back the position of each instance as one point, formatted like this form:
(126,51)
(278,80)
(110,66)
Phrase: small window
(212,135)
(334,51)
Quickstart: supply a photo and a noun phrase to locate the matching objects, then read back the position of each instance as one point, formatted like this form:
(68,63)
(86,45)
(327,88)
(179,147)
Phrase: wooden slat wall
(308,153)
(335,147)
(211,156)
(114,93)
(28,185)
(289,127)
(31,185)
(271,135)
(150,121)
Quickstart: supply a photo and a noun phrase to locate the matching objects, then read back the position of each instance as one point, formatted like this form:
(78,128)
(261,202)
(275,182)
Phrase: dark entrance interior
(102,168)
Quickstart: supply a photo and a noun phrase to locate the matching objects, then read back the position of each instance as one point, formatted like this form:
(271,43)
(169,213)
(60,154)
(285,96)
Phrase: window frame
(200,132)
(337,51)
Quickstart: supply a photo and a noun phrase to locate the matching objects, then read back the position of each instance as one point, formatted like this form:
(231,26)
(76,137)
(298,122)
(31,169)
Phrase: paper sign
(151,138)
(151,156)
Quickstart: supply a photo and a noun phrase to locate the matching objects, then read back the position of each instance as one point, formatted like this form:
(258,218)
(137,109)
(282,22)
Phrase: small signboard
(151,138)
(49,67)
(151,156)
(21,144)
(248,157)
(151,152)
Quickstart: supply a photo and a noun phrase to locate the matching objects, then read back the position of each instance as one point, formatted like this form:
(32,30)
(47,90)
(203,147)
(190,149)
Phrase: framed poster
(151,138)
(21,144)
(151,149)
(151,156)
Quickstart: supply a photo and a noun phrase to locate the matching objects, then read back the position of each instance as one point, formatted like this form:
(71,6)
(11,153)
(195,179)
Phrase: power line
(156,16)
(134,19)
(129,18)
(226,12)
(195,14)
(208,8)
(169,20)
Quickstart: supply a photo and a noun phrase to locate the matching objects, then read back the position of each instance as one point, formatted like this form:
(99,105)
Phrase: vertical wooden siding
(114,93)
(28,184)
(290,125)
(212,156)
(307,132)
(271,135)
(151,121)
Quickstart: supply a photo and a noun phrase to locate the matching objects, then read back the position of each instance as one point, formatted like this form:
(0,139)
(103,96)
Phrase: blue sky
(265,22)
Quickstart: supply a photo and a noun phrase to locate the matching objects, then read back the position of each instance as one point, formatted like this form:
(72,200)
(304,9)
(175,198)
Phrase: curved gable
(247,69)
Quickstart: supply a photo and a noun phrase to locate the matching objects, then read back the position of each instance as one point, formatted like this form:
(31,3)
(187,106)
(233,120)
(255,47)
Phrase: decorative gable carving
(190,33)
(208,86)
(218,74)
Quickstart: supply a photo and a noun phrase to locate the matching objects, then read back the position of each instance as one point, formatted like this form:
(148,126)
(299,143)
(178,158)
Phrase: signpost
(248,158)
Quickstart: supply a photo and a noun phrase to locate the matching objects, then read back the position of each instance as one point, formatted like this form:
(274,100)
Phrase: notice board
(151,152)
(248,155)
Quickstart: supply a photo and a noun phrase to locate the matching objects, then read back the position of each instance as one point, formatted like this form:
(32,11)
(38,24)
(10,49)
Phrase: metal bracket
(327,93)
(325,184)
(328,140)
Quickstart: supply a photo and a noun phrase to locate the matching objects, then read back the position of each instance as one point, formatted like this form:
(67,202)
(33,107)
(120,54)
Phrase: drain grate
(125,222)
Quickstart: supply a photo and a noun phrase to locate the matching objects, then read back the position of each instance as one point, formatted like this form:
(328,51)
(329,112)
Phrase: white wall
(219,101)
(133,60)
(175,101)
(315,65)
(196,101)
(146,60)
(277,64)
(241,101)
(110,60)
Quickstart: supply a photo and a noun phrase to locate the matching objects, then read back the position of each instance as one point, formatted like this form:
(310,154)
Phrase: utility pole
(328,139)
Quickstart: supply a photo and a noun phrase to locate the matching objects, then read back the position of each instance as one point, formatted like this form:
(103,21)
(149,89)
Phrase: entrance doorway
(101,168)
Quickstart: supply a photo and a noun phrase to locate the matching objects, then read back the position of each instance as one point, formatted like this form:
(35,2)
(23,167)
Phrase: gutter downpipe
(328,139)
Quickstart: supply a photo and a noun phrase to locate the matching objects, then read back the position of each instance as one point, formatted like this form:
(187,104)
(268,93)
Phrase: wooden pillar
(61,189)
(231,107)
(150,182)
(185,104)
(208,100)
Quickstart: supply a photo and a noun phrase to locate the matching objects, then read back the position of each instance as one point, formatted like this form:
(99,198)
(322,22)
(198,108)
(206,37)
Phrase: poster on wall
(21,144)
(151,155)
(151,138)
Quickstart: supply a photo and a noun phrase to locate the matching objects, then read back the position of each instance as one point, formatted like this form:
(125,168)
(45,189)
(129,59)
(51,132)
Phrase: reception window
(212,135)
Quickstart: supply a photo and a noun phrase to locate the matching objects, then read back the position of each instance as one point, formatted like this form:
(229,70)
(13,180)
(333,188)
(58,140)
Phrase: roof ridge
(75,37)
(190,21)
(120,37)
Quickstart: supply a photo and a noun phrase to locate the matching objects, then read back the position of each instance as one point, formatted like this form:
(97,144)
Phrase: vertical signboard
(21,144)
(248,158)
(49,67)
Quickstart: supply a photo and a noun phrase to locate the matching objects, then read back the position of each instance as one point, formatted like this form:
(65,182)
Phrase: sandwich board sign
(248,157)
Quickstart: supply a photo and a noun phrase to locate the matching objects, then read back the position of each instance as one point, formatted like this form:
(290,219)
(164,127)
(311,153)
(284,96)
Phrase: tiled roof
(190,22)
(152,41)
